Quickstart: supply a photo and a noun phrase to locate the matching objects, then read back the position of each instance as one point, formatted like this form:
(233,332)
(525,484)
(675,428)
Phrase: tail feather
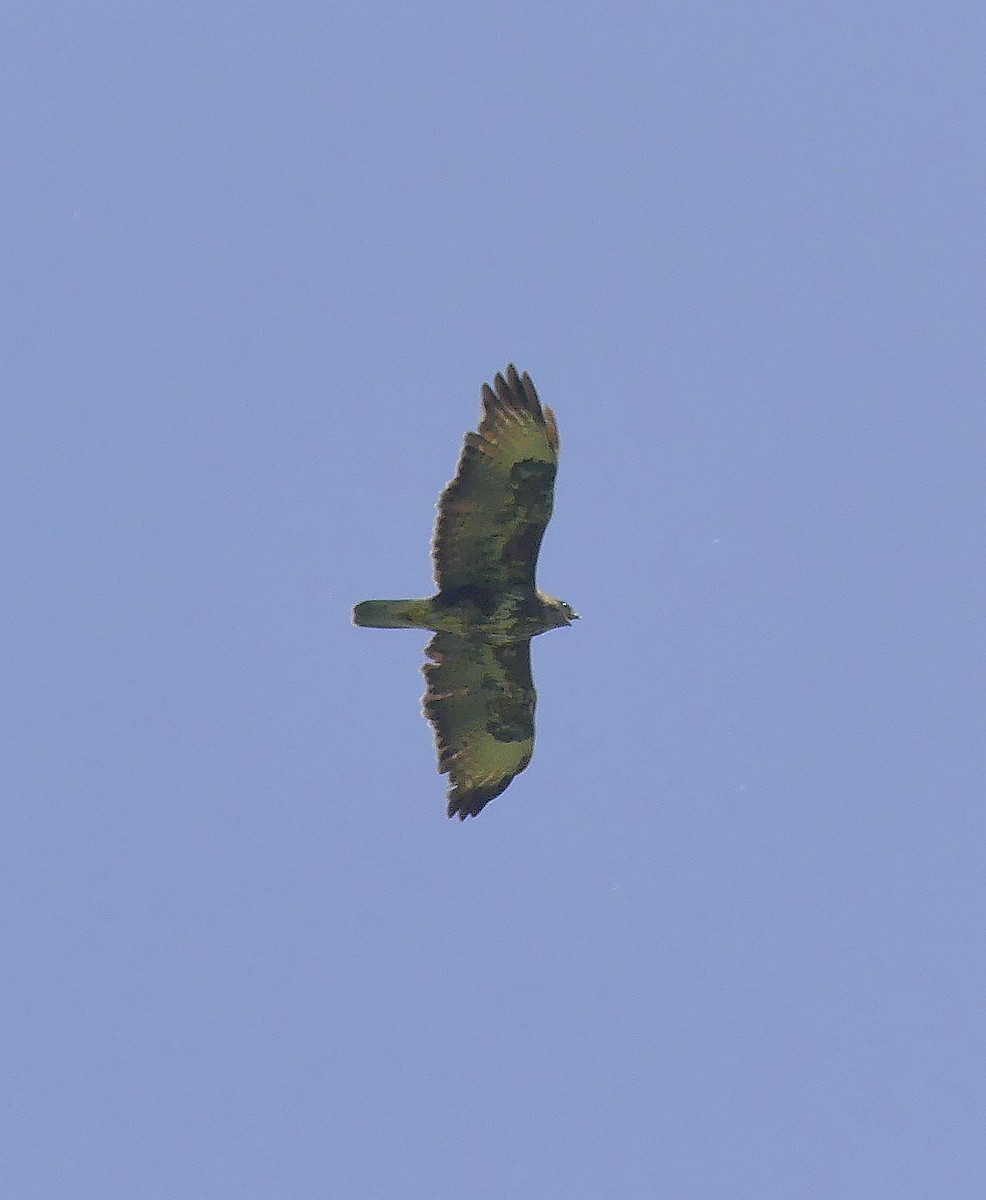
(392,614)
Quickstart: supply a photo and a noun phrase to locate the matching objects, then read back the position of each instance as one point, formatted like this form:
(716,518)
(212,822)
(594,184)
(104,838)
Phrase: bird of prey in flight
(491,518)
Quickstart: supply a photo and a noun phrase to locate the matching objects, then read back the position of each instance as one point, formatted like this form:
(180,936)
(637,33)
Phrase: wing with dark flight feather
(492,516)
(480,700)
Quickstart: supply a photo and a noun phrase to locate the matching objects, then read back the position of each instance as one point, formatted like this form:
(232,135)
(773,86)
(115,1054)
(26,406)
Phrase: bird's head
(561,610)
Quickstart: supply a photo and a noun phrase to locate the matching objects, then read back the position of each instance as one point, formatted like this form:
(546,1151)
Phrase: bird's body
(491,519)
(496,617)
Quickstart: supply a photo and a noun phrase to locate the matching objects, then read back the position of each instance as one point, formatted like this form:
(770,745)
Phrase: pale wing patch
(485,761)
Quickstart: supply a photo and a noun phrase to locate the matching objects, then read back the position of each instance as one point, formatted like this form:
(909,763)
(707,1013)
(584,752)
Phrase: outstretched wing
(480,699)
(493,514)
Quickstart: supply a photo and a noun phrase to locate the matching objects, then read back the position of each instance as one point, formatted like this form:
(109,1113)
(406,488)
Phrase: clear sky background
(725,937)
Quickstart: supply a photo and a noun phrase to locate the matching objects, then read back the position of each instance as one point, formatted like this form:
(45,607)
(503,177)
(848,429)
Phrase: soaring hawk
(480,695)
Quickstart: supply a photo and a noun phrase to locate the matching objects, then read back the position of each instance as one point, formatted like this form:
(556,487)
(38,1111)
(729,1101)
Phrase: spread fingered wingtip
(470,802)
(511,390)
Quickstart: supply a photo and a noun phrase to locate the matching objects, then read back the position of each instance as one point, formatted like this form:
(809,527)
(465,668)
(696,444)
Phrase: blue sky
(724,938)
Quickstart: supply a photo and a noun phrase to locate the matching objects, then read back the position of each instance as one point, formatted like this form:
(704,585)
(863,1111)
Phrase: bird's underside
(480,695)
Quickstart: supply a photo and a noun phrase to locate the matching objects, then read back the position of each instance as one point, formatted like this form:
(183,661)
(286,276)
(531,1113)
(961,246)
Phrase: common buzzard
(480,696)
